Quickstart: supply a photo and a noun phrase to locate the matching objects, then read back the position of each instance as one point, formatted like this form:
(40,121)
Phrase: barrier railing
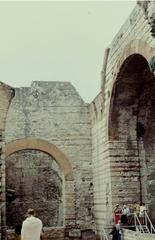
(134,223)
(149,223)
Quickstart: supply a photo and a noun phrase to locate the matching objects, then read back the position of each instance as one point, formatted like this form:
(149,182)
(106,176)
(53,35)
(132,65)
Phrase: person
(125,214)
(116,231)
(136,208)
(117,213)
(129,215)
(118,228)
(31,227)
(142,213)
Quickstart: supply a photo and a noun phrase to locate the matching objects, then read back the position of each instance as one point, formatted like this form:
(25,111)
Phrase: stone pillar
(103,72)
(70,214)
(6,95)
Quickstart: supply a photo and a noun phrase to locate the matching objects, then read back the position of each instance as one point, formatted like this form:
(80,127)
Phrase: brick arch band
(135,46)
(44,146)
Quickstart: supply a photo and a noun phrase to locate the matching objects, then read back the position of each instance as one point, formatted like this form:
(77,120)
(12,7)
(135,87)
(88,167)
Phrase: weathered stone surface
(105,150)
(6,95)
(38,183)
(75,233)
(49,234)
(54,112)
(122,161)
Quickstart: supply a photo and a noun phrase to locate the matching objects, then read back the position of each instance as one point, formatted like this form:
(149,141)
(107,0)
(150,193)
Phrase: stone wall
(6,95)
(111,136)
(101,165)
(55,113)
(57,233)
(118,159)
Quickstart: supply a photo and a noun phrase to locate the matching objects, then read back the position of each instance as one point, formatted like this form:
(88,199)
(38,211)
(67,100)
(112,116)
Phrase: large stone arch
(130,79)
(135,46)
(63,162)
(44,146)
(131,126)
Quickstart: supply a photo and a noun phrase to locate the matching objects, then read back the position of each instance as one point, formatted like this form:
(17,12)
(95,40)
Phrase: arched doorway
(38,173)
(38,183)
(132,132)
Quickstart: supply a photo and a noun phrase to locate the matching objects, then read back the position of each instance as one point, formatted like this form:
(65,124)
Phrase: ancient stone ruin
(73,161)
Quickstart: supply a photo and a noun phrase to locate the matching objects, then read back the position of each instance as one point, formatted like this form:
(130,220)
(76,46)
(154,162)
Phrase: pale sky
(58,41)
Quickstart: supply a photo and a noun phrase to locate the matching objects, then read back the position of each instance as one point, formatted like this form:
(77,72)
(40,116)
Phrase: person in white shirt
(31,227)
(142,213)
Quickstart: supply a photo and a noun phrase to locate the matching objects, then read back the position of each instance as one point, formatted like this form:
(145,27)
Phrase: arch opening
(56,171)
(127,89)
(131,128)
(36,181)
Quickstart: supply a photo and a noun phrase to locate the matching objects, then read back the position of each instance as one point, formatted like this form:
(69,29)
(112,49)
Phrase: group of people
(30,229)
(124,216)
(125,213)
(32,226)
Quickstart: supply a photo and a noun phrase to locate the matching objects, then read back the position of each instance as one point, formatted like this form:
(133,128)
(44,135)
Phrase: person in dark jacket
(116,232)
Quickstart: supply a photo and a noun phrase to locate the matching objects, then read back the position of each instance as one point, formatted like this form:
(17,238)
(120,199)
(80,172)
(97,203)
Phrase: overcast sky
(58,41)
